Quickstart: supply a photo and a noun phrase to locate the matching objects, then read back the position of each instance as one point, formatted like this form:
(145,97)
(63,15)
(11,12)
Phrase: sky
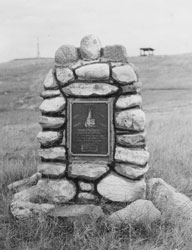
(165,25)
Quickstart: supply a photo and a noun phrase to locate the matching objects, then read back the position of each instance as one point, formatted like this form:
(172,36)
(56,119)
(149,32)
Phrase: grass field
(167,101)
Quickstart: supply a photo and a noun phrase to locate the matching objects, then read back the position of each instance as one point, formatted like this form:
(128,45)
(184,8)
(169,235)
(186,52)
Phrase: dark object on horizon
(143,51)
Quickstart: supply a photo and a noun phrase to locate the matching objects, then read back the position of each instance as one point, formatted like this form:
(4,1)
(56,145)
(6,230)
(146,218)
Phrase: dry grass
(169,115)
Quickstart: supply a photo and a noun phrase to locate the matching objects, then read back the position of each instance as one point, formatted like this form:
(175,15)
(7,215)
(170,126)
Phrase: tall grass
(169,143)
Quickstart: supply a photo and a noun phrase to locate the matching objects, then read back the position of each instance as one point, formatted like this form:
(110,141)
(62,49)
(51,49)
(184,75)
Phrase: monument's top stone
(90,49)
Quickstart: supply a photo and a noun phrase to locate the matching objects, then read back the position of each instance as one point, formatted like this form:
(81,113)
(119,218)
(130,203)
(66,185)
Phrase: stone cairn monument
(92,141)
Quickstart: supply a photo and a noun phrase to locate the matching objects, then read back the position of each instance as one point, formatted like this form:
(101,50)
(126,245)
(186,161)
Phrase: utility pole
(38,48)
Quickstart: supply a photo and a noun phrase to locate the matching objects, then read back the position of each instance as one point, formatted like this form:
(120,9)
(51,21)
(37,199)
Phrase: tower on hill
(38,48)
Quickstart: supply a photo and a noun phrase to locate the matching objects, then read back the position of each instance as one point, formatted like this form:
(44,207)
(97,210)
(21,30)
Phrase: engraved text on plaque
(89,128)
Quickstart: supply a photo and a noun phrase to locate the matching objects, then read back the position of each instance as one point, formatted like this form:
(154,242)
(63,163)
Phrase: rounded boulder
(90,47)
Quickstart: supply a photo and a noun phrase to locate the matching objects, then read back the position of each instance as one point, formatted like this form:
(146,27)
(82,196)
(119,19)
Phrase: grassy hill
(167,100)
(21,79)
(166,80)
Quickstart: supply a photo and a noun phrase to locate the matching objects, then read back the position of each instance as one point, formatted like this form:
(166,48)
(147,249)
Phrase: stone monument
(92,143)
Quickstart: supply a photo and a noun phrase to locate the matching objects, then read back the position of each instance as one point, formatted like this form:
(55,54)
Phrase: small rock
(90,47)
(131,88)
(52,169)
(53,105)
(84,186)
(50,82)
(124,74)
(96,71)
(139,212)
(56,153)
(130,170)
(64,75)
(128,101)
(23,210)
(51,122)
(50,190)
(115,53)
(49,138)
(117,64)
(87,170)
(27,194)
(90,89)
(134,156)
(77,211)
(132,119)
(131,140)
(116,188)
(58,191)
(24,183)
(66,54)
(63,142)
(50,93)
(86,196)
(168,200)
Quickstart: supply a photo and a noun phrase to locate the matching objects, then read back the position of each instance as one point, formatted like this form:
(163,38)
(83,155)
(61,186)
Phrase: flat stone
(78,211)
(87,170)
(52,169)
(24,210)
(115,53)
(84,186)
(124,74)
(58,191)
(27,194)
(84,62)
(24,183)
(50,93)
(137,156)
(130,170)
(64,75)
(90,47)
(90,89)
(49,138)
(96,71)
(128,101)
(51,122)
(50,190)
(139,212)
(66,54)
(117,64)
(133,119)
(168,200)
(53,105)
(86,196)
(116,188)
(50,82)
(56,153)
(131,140)
(134,87)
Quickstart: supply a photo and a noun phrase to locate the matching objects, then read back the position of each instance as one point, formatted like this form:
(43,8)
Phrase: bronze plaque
(89,128)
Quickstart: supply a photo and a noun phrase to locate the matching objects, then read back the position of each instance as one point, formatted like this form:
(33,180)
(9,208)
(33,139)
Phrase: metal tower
(38,48)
